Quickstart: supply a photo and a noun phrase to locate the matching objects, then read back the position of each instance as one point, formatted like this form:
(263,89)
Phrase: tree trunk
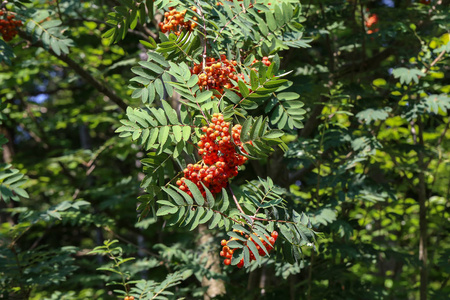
(216,287)
(8,153)
(8,148)
(423,251)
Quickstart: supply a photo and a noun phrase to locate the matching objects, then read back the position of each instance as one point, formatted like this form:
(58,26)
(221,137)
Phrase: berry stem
(244,10)
(236,201)
(200,12)
(200,109)
(268,220)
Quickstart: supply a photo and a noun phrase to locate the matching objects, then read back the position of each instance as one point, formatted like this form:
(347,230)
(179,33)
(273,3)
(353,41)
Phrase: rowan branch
(312,122)
(88,77)
(236,201)
(434,62)
(367,64)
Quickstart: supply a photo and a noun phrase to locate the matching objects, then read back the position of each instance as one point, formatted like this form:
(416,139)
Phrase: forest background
(364,161)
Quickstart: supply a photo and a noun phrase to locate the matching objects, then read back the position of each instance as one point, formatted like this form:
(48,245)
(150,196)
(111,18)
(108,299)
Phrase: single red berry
(274,234)
(240,264)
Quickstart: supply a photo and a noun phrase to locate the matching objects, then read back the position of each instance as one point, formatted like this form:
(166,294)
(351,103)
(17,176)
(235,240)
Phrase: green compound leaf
(407,75)
(198,197)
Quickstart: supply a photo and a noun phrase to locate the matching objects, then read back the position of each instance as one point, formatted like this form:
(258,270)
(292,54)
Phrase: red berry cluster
(174,21)
(216,74)
(265,60)
(8,26)
(371,21)
(220,161)
(228,253)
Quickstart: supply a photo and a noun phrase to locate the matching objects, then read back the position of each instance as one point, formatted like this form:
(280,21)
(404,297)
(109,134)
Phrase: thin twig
(363,30)
(88,77)
(413,132)
(225,26)
(59,11)
(443,134)
(410,182)
(436,168)
(236,201)
(307,9)
(203,40)
(3,5)
(328,41)
(200,12)
(434,62)
(269,220)
(39,139)
(130,242)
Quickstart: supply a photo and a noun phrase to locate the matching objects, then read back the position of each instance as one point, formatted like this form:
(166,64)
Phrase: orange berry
(274,234)
(240,264)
